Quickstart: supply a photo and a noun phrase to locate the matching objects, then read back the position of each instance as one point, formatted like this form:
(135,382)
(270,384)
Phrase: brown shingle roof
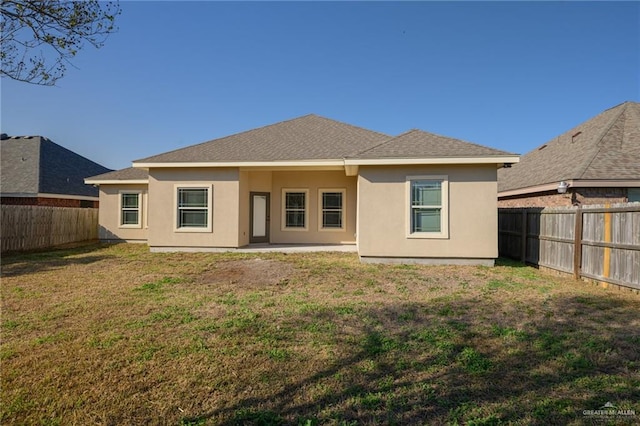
(420,144)
(124,174)
(606,147)
(310,137)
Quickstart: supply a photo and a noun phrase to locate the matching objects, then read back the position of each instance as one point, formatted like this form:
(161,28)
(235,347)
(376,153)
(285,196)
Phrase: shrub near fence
(34,227)
(601,243)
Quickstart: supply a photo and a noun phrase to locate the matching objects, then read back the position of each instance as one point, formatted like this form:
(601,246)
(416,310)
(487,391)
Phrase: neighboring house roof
(604,148)
(419,144)
(310,137)
(33,165)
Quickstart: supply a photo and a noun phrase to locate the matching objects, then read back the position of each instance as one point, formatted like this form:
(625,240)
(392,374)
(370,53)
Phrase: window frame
(321,209)
(444,207)
(176,208)
(283,203)
(121,209)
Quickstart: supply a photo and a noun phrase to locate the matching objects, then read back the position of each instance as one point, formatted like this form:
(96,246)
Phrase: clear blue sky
(510,75)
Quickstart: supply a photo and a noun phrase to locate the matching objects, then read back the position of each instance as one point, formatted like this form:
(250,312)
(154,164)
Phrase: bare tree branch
(39,38)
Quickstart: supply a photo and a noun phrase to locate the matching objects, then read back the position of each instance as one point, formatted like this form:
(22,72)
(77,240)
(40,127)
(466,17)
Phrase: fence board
(604,245)
(34,227)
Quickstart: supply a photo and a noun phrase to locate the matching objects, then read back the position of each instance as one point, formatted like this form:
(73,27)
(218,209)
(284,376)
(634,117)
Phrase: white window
(331,209)
(130,207)
(295,205)
(193,208)
(428,206)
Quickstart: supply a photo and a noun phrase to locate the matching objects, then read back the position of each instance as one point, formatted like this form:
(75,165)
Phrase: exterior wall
(573,197)
(225,210)
(313,181)
(49,202)
(109,214)
(383,213)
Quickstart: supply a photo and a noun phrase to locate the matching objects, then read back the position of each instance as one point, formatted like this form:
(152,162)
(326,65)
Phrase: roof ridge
(596,146)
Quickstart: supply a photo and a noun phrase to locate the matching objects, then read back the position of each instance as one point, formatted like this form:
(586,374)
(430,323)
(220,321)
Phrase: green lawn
(113,334)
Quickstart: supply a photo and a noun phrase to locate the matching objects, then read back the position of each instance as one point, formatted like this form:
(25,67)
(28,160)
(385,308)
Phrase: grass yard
(115,335)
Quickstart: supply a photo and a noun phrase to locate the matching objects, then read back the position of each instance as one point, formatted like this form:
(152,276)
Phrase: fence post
(577,245)
(523,247)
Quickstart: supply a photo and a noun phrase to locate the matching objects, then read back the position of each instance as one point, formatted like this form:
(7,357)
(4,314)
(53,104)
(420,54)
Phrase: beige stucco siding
(109,214)
(313,182)
(163,184)
(383,213)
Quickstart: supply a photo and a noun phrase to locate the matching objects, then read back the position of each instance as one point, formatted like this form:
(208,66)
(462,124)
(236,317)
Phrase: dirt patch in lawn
(251,273)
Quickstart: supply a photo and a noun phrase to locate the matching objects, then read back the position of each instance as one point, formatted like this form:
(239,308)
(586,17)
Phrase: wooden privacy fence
(34,227)
(597,242)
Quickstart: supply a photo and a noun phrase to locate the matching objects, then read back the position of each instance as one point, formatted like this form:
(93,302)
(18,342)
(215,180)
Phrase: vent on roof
(542,147)
(574,137)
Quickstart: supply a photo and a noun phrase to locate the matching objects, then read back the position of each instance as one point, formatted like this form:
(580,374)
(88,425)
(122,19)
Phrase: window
(633,195)
(194,209)
(295,202)
(428,213)
(331,204)
(130,210)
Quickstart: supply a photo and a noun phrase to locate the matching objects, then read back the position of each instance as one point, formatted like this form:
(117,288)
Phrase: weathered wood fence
(601,243)
(34,227)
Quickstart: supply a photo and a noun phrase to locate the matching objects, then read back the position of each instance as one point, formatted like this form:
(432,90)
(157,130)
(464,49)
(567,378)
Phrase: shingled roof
(606,147)
(128,174)
(310,137)
(34,165)
(420,144)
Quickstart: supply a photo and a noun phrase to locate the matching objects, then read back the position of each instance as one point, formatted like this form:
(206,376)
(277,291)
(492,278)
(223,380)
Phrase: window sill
(193,230)
(428,236)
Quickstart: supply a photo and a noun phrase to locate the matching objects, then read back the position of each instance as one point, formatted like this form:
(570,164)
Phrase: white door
(259,217)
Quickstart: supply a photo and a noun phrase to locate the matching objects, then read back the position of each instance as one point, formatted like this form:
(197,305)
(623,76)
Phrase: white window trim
(140,209)
(187,185)
(444,212)
(283,216)
(343,191)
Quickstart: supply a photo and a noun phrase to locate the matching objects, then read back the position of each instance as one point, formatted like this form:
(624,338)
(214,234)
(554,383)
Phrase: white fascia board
(296,163)
(431,160)
(117,182)
(572,184)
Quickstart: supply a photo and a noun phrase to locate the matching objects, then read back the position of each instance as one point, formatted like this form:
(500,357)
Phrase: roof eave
(281,163)
(573,183)
(116,181)
(498,159)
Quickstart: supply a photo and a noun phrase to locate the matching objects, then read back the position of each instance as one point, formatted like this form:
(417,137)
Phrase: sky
(509,75)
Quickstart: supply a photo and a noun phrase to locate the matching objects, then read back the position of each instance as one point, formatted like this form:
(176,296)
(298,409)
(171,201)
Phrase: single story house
(417,197)
(37,171)
(596,162)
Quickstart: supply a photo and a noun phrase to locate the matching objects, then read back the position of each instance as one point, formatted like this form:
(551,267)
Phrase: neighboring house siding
(573,197)
(472,220)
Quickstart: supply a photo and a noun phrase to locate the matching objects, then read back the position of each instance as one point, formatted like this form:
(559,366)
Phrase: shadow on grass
(16,264)
(408,364)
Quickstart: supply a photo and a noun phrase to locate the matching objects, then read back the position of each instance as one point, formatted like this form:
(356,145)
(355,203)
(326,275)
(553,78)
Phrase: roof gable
(606,147)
